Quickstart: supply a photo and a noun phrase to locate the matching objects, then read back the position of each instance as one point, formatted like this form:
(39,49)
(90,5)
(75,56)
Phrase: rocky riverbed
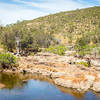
(62,72)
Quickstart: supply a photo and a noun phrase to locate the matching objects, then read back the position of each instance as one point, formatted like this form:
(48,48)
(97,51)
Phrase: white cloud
(56,5)
(98,1)
(10,13)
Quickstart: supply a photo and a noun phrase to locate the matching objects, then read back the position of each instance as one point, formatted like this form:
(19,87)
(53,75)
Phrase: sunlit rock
(58,74)
(2,86)
(96,86)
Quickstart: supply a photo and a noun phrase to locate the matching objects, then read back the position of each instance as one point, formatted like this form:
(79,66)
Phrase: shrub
(59,49)
(82,46)
(83,63)
(7,60)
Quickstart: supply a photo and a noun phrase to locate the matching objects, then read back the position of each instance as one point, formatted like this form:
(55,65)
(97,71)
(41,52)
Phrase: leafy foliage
(60,49)
(29,38)
(83,63)
(7,60)
(83,44)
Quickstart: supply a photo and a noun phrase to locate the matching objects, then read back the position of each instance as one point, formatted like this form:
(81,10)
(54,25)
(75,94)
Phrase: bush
(83,63)
(82,46)
(7,60)
(60,50)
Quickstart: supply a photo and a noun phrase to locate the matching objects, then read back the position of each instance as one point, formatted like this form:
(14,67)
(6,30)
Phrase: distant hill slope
(68,25)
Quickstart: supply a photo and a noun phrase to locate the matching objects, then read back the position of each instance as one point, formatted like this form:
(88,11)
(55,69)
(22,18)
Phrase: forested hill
(71,24)
(67,27)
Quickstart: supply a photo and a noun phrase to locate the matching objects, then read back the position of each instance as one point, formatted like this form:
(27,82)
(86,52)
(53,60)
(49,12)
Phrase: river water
(38,87)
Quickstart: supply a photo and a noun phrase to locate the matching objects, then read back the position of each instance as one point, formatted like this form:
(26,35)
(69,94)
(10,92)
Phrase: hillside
(80,27)
(71,24)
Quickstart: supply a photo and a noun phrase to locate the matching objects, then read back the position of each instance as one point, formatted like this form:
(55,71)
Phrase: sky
(13,10)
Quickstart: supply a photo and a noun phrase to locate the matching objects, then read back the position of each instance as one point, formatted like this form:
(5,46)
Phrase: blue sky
(13,10)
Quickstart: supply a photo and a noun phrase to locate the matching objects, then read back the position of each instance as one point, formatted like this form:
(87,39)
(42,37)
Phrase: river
(38,87)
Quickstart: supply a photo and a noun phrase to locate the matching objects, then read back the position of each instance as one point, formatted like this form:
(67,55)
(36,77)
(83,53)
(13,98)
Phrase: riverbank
(35,84)
(61,71)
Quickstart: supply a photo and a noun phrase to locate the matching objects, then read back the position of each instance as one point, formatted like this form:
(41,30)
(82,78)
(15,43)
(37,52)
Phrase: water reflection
(38,87)
(11,80)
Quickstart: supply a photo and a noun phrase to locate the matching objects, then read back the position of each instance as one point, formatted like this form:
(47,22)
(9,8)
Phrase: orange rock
(2,85)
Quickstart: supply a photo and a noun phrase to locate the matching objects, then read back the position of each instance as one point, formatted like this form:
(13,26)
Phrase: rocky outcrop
(81,84)
(62,70)
(2,86)
(69,53)
(63,82)
(96,86)
(95,63)
(58,74)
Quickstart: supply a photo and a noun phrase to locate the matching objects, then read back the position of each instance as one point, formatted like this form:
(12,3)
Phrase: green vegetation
(80,27)
(7,60)
(71,24)
(83,45)
(83,63)
(30,39)
(59,49)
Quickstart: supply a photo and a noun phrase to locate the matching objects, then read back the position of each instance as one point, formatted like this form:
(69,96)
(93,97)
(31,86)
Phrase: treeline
(89,43)
(30,39)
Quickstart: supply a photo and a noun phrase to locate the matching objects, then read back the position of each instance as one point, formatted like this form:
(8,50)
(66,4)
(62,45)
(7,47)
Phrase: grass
(59,49)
